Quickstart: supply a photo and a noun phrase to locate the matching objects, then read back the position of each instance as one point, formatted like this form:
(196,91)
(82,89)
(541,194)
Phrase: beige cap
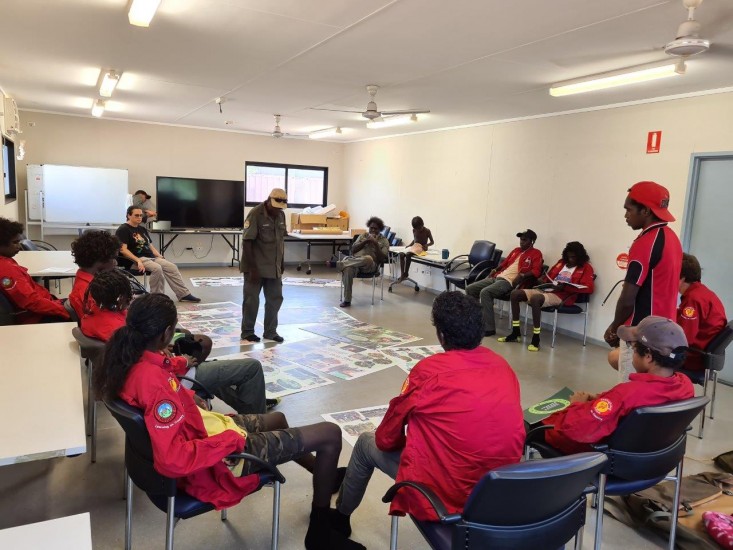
(280,194)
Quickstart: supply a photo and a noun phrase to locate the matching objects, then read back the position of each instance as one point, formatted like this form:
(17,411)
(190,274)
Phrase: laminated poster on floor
(203,312)
(223,332)
(286,381)
(357,421)
(217,281)
(363,334)
(310,315)
(408,357)
(311,281)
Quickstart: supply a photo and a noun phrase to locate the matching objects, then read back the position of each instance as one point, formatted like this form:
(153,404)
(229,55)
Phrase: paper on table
(58,270)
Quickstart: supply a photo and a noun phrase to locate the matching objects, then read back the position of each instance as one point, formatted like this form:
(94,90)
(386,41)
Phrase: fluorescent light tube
(328,132)
(98,108)
(611,80)
(396,120)
(142,11)
(109,83)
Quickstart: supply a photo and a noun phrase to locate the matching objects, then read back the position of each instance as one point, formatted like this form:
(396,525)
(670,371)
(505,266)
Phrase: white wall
(9,210)
(565,177)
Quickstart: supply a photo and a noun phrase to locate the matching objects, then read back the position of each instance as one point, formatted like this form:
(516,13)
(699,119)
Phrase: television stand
(230,236)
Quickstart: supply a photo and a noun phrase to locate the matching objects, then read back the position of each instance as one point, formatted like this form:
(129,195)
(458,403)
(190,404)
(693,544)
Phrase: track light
(328,132)
(110,79)
(142,12)
(613,79)
(396,120)
(98,107)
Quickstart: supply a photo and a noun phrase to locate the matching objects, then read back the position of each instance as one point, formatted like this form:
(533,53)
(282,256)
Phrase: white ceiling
(468,61)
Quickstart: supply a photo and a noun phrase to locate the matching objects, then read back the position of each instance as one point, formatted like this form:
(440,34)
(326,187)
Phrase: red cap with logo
(653,196)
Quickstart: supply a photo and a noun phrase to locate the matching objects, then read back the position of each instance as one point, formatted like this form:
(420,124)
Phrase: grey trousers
(240,383)
(364,458)
(352,265)
(161,270)
(485,291)
(273,288)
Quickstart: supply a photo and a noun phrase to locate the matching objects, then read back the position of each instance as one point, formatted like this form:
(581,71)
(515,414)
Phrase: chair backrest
(71,311)
(481,251)
(139,451)
(90,348)
(715,360)
(8,312)
(385,231)
(28,245)
(496,257)
(584,298)
(391,235)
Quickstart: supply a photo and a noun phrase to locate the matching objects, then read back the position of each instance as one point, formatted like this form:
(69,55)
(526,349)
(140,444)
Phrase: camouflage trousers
(274,447)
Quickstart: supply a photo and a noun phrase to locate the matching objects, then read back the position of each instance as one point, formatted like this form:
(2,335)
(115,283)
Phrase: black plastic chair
(137,287)
(92,351)
(8,312)
(73,315)
(378,274)
(525,506)
(162,490)
(529,282)
(713,361)
(465,269)
(34,245)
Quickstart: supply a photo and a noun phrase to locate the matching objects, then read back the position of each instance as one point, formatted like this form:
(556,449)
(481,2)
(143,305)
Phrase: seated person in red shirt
(574,267)
(192,444)
(34,303)
(463,417)
(93,251)
(701,314)
(659,349)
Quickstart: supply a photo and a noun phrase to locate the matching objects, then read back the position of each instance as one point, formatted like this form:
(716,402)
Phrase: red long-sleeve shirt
(32,299)
(530,261)
(463,416)
(583,275)
(701,315)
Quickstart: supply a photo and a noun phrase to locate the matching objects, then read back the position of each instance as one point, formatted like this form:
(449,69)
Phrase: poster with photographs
(312,315)
(357,421)
(223,332)
(311,281)
(408,357)
(217,281)
(205,312)
(363,334)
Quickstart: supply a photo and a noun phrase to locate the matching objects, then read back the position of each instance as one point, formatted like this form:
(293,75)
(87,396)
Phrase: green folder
(539,411)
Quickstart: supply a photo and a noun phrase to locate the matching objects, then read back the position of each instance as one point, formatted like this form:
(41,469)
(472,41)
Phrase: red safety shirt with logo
(530,261)
(583,424)
(76,296)
(181,446)
(583,275)
(33,300)
(103,323)
(701,315)
(655,259)
(463,416)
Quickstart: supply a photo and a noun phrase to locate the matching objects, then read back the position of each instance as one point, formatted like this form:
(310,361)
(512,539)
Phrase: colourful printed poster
(357,421)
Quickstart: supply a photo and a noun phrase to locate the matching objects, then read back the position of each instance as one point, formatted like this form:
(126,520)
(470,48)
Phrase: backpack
(651,508)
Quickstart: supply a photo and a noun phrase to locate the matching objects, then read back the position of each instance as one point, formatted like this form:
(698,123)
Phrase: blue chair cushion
(564,309)
(186,506)
(617,487)
(438,535)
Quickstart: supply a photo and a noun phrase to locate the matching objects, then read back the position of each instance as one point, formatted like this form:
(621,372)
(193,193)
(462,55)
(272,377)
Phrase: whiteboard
(74,194)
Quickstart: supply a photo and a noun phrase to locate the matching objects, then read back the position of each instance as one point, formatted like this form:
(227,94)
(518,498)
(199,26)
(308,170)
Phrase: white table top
(47,263)
(69,533)
(432,253)
(344,235)
(42,406)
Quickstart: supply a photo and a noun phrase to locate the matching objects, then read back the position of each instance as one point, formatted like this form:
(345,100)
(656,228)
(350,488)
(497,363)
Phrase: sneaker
(345,304)
(189,298)
(532,347)
(509,338)
(272,403)
(250,338)
(275,337)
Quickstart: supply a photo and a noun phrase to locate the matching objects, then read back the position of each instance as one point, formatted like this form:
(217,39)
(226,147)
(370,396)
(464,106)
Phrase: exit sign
(653,142)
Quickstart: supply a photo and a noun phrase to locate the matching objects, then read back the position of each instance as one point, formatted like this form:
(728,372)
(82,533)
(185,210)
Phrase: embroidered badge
(689,313)
(8,282)
(246,224)
(405,385)
(174,384)
(602,407)
(165,411)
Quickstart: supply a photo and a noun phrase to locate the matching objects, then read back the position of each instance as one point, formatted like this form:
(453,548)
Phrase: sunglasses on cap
(283,201)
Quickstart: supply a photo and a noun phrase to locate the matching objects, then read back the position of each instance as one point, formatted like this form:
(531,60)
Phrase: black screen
(194,202)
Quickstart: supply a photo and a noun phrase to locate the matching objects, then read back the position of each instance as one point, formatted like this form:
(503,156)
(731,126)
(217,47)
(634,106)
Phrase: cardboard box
(307,221)
(341,223)
(322,231)
(355,232)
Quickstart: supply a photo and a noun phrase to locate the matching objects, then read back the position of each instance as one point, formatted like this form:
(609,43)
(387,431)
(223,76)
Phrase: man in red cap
(652,279)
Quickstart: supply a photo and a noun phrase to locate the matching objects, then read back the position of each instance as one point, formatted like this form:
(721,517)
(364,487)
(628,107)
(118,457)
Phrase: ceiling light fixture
(613,79)
(328,132)
(396,120)
(98,108)
(142,12)
(110,79)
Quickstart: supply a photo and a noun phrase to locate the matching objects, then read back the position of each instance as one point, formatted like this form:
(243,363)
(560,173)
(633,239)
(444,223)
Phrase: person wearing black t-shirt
(138,250)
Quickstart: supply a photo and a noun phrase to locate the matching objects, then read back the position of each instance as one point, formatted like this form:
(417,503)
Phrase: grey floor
(49,489)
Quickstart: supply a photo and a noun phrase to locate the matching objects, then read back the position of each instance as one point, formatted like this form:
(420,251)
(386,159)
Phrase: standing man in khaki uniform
(263,252)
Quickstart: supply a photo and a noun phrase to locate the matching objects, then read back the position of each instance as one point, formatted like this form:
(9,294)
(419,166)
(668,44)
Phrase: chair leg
(94,432)
(374,286)
(393,533)
(90,396)
(554,329)
(128,512)
(275,516)
(224,514)
(170,523)
(382,280)
(599,510)
(676,505)
(585,324)
(714,375)
(579,539)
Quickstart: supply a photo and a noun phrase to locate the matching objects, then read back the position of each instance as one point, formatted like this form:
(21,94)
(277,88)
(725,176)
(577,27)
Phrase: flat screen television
(200,203)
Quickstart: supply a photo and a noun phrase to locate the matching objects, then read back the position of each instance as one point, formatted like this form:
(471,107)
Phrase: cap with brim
(531,235)
(278,193)
(658,333)
(653,196)
(141,192)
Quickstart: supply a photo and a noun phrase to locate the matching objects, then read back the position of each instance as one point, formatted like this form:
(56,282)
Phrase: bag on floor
(725,461)
(700,493)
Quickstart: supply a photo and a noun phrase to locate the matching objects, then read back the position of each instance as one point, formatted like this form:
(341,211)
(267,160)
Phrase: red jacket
(701,315)
(530,261)
(76,296)
(103,323)
(583,424)
(583,275)
(181,446)
(24,293)
(463,416)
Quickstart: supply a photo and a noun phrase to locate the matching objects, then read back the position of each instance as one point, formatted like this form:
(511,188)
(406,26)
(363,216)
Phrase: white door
(707,230)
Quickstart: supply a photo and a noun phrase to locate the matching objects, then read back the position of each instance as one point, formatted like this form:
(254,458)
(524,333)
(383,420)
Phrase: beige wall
(565,177)
(9,210)
(150,150)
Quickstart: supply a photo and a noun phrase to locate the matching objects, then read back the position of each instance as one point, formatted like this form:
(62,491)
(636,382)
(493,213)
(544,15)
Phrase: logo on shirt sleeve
(165,411)
(689,313)
(8,283)
(602,408)
(174,384)
(405,385)
(246,224)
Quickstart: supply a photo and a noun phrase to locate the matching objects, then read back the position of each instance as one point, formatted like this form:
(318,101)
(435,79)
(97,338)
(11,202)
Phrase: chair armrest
(201,387)
(450,267)
(531,434)
(265,465)
(479,267)
(483,273)
(432,498)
